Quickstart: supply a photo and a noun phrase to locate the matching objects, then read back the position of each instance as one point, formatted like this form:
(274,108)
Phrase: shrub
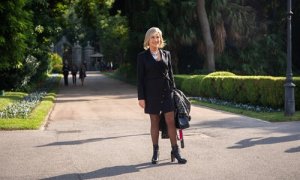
(256,90)
(208,88)
(187,85)
(221,73)
(179,80)
(191,85)
(55,63)
(251,89)
(227,91)
(126,71)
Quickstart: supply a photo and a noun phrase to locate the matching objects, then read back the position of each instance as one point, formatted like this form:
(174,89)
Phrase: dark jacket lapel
(164,56)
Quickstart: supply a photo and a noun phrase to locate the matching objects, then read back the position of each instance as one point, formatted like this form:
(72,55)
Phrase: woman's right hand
(142,103)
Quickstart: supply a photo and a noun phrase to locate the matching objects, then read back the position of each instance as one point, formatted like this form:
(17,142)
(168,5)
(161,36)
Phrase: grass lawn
(267,116)
(10,97)
(36,117)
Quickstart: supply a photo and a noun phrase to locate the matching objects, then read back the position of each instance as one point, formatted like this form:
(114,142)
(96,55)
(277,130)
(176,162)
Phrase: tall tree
(206,33)
(16,30)
(48,24)
(106,30)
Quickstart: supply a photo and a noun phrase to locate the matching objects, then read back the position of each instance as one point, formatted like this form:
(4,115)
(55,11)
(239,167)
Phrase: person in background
(155,85)
(65,70)
(74,71)
(82,73)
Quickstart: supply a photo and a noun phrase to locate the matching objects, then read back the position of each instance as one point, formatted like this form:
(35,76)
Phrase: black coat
(155,82)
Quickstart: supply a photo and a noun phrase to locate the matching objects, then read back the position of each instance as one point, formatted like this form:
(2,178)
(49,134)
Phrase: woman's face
(154,41)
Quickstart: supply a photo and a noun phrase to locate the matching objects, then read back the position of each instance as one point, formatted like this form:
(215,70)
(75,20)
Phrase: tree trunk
(209,44)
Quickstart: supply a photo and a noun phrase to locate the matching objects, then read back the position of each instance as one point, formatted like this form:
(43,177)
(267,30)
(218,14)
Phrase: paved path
(98,132)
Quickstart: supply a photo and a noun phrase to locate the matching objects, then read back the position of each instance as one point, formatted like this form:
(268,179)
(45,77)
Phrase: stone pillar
(88,51)
(77,54)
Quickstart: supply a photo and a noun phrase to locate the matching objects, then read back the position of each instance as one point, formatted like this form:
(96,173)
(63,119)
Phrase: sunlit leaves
(39,29)
(15,29)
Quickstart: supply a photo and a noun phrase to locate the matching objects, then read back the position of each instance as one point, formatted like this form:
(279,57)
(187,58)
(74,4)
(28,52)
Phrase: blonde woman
(155,84)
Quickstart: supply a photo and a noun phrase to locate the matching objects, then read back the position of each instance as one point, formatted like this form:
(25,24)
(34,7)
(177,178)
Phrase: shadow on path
(270,140)
(78,142)
(108,171)
(293,150)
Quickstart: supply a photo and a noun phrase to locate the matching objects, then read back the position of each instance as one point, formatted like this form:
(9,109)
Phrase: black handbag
(182,121)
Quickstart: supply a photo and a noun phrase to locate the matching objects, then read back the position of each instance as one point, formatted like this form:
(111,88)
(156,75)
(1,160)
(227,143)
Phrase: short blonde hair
(148,35)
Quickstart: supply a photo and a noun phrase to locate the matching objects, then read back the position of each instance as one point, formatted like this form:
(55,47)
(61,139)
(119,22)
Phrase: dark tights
(169,117)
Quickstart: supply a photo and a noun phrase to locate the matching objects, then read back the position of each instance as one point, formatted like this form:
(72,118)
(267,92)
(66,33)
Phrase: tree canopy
(248,36)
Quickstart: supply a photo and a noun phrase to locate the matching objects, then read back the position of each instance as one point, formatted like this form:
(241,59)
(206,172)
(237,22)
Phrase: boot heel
(155,157)
(172,158)
(175,154)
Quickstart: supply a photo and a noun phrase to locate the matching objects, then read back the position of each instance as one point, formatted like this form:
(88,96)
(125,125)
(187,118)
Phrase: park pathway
(97,131)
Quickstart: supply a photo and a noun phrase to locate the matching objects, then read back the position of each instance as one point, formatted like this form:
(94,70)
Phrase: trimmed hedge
(256,90)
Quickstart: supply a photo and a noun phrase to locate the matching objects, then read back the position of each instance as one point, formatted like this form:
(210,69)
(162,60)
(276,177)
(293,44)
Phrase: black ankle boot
(175,154)
(155,156)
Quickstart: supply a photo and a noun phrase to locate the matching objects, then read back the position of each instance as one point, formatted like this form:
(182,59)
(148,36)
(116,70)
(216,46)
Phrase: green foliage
(10,97)
(258,90)
(15,31)
(37,116)
(126,71)
(271,91)
(49,21)
(107,32)
(227,91)
(22,109)
(115,38)
(26,31)
(19,78)
(272,117)
(179,80)
(264,57)
(188,84)
(210,81)
(251,89)
(30,69)
(221,73)
(208,88)
(55,63)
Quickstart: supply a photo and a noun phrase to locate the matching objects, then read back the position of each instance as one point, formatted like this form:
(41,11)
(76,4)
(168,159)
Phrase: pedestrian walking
(74,71)
(155,85)
(82,73)
(65,70)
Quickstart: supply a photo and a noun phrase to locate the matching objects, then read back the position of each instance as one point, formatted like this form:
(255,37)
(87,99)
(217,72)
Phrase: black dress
(155,82)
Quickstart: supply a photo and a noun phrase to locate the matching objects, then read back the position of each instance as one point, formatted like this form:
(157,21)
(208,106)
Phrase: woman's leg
(170,121)
(81,81)
(154,130)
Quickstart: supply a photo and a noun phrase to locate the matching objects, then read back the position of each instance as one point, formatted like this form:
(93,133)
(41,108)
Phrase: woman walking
(82,73)
(74,71)
(155,84)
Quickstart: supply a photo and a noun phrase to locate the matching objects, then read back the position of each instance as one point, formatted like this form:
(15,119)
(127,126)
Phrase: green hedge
(257,90)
